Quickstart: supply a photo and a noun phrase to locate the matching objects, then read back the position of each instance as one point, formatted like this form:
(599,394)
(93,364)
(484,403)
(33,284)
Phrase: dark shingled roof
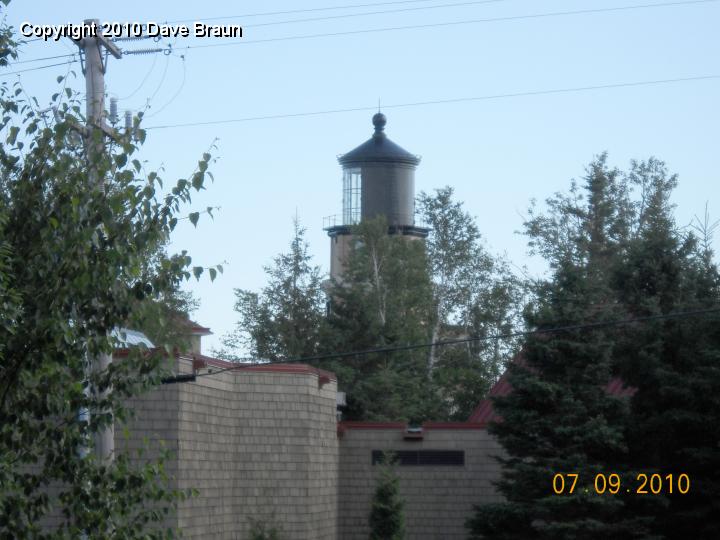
(379,149)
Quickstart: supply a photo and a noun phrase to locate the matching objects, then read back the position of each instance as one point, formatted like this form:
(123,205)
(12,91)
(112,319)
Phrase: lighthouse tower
(378,180)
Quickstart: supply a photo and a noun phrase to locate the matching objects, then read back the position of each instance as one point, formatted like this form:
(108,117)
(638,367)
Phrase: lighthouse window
(351,196)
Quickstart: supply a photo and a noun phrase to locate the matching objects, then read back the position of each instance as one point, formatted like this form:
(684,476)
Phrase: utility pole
(95,130)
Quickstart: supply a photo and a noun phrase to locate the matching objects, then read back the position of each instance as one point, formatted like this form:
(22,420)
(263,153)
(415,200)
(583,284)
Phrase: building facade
(263,443)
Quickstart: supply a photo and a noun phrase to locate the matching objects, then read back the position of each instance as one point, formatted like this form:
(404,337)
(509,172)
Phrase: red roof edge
(402,426)
(372,425)
(197,330)
(484,412)
(427,426)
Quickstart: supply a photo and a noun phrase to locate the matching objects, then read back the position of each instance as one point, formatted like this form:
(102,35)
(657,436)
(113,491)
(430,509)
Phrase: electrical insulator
(113,110)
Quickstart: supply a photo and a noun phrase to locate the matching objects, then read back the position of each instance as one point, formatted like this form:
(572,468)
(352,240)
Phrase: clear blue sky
(498,154)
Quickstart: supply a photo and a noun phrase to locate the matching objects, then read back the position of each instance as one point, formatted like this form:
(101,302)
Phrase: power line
(569,328)
(409,27)
(8,73)
(287,22)
(445,101)
(162,81)
(452,23)
(307,10)
(383,12)
(175,95)
(41,59)
(142,83)
(273,23)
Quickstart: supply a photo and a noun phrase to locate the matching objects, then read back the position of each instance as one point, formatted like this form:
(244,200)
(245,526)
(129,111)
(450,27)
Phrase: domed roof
(379,149)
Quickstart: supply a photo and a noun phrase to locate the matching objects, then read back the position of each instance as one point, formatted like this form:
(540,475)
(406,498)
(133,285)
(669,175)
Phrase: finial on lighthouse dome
(378,149)
(379,120)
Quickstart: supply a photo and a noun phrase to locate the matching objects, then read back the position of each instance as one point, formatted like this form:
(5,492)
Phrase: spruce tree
(286,319)
(614,255)
(674,363)
(387,521)
(559,418)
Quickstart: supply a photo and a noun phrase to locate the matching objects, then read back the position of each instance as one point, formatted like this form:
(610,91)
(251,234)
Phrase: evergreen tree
(387,520)
(559,418)
(613,255)
(674,364)
(287,318)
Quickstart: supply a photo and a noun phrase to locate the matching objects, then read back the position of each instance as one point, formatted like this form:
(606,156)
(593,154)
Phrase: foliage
(165,319)
(286,319)
(387,520)
(72,260)
(260,530)
(615,253)
(383,300)
(475,295)
(395,291)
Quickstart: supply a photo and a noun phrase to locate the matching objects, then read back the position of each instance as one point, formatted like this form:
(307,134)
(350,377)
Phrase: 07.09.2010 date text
(643,484)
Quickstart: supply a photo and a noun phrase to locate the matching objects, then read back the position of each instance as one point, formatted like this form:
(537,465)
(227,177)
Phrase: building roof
(194,329)
(485,412)
(379,149)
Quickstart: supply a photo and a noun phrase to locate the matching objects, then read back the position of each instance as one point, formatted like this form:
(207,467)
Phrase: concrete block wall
(438,499)
(257,443)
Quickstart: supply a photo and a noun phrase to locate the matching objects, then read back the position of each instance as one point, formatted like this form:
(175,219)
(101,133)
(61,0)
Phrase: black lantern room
(378,180)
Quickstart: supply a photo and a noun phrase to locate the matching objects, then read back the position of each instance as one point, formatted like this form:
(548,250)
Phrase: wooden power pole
(91,50)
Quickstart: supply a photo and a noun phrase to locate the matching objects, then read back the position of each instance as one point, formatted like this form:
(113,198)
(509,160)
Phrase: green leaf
(12,135)
(197,180)
(213,274)
(197,272)
(194,217)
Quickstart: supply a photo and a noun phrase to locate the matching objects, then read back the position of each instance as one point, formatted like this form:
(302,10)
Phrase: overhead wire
(368,13)
(41,59)
(8,73)
(162,80)
(443,101)
(347,15)
(229,43)
(306,10)
(142,83)
(175,95)
(442,343)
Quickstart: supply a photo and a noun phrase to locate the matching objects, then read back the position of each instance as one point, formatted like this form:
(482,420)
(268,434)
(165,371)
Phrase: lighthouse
(378,179)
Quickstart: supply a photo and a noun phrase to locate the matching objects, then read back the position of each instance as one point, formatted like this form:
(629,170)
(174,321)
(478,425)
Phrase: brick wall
(438,499)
